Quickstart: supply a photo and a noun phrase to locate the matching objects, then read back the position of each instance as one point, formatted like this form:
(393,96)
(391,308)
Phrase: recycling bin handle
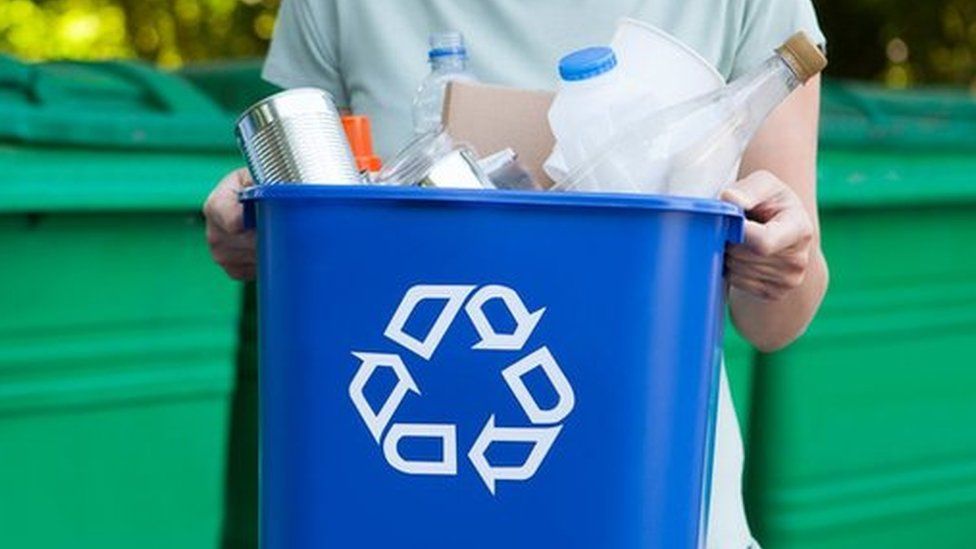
(735,232)
(250,219)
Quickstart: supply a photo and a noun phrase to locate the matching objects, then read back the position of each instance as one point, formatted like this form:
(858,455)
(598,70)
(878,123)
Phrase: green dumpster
(234,85)
(862,431)
(117,332)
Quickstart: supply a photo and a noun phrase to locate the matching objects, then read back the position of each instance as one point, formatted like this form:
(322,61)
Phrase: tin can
(296,136)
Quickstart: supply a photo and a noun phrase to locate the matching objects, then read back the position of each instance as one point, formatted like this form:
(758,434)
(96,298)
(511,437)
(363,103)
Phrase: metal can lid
(285,104)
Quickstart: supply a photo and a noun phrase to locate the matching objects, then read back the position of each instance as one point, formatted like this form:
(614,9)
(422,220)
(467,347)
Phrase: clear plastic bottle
(448,58)
(694,148)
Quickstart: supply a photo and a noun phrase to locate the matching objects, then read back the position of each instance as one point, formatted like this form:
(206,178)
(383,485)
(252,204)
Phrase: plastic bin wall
(454,369)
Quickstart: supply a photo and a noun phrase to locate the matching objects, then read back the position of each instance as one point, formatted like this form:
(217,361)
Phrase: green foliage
(167,32)
(899,42)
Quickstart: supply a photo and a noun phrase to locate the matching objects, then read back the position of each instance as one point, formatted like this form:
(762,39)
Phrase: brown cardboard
(491,118)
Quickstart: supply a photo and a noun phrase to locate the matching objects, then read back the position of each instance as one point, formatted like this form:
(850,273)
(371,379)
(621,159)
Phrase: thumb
(753,190)
(241,179)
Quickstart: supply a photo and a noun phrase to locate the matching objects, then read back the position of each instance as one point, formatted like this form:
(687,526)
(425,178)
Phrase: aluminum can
(296,136)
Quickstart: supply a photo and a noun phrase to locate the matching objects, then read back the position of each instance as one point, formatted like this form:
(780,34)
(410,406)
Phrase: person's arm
(303,52)
(778,277)
(230,245)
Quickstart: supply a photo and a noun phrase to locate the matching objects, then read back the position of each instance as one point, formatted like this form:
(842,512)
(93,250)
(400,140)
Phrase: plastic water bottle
(448,61)
(592,87)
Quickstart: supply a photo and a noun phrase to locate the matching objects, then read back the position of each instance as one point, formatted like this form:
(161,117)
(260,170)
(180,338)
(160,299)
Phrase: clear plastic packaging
(505,172)
(415,160)
(435,160)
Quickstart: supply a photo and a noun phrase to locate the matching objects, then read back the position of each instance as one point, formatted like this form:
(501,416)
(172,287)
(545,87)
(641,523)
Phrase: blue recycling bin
(447,368)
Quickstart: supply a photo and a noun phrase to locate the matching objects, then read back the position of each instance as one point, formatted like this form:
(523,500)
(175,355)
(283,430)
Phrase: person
(371,56)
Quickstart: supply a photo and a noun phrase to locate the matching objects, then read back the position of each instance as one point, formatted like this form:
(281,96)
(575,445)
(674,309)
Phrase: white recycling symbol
(546,423)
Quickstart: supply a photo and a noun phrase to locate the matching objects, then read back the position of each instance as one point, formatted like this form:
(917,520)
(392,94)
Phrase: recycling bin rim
(736,230)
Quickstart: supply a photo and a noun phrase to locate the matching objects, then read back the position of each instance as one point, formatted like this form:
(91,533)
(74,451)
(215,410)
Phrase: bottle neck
(758,93)
(449,63)
(774,79)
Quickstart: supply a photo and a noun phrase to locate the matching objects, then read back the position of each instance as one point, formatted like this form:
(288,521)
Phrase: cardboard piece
(491,118)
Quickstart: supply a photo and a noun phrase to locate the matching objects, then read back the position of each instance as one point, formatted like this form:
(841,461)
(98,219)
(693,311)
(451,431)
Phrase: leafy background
(897,42)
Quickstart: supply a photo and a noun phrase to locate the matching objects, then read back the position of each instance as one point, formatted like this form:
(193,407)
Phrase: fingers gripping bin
(450,369)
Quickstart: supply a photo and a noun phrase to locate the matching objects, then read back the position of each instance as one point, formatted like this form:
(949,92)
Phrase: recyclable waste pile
(644,114)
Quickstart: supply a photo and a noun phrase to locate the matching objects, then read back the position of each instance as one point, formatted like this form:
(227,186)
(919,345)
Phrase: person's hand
(230,245)
(775,256)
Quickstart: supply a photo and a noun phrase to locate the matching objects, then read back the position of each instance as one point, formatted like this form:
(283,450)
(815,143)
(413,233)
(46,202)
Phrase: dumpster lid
(234,85)
(499,197)
(896,148)
(116,104)
(860,115)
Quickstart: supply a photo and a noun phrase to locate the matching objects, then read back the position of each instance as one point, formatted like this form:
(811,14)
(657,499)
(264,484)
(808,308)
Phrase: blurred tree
(167,32)
(902,42)
(899,42)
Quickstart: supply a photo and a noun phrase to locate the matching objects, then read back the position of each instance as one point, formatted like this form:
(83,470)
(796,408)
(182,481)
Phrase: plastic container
(658,63)
(117,331)
(591,85)
(433,376)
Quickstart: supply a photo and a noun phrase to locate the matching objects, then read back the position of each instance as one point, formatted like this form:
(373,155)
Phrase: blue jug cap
(587,63)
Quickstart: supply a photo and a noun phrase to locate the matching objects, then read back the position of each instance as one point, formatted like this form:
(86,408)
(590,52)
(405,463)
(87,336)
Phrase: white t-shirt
(372,54)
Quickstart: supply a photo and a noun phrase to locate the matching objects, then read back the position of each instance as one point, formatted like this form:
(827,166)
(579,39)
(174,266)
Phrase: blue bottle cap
(446,43)
(587,63)
(444,52)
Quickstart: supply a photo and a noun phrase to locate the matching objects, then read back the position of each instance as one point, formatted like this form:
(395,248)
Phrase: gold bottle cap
(803,56)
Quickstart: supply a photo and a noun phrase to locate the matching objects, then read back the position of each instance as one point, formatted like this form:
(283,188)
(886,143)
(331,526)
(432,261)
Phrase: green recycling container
(117,332)
(234,85)
(862,431)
